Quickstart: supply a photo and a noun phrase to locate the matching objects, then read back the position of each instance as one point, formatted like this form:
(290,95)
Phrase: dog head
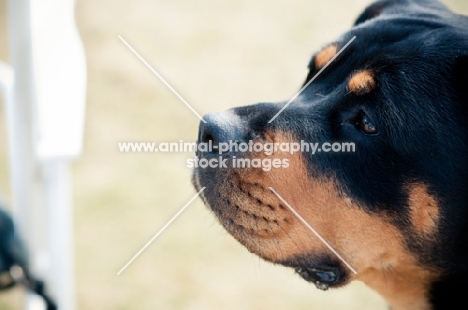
(382,198)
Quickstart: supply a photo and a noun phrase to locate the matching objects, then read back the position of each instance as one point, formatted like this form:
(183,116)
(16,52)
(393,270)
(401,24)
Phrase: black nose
(223,127)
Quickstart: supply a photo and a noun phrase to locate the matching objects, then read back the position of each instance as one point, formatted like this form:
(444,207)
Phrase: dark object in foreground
(14,262)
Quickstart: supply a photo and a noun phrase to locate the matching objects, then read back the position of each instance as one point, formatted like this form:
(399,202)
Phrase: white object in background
(6,89)
(45,133)
(60,78)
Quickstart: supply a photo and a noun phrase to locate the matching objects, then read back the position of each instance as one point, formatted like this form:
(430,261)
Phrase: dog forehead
(389,43)
(410,27)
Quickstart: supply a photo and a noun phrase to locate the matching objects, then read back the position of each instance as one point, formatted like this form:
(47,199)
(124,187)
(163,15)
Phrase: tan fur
(362,83)
(424,210)
(324,56)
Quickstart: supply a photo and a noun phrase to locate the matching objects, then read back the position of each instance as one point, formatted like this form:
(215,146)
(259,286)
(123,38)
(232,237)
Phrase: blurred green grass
(217,55)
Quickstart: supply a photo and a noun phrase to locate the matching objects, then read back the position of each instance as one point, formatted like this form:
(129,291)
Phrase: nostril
(207,137)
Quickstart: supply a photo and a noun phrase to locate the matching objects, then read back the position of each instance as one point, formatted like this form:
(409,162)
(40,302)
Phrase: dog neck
(413,291)
(403,290)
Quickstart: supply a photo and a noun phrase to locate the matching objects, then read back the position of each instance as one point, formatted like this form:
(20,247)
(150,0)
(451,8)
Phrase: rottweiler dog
(394,211)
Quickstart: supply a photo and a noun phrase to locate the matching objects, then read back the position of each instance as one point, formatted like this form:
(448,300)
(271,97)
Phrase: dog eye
(364,124)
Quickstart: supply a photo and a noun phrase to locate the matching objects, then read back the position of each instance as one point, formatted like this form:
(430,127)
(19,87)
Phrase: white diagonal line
(315,76)
(313,230)
(161,78)
(161,230)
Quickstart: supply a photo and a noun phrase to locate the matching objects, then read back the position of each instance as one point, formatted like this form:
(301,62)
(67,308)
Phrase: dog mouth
(322,276)
(320,269)
(254,216)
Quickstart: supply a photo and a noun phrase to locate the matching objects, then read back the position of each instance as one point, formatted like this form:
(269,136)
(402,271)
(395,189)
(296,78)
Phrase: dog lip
(321,276)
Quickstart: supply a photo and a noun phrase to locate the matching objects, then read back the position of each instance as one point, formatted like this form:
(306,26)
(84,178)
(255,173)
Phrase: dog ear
(398,6)
(373,11)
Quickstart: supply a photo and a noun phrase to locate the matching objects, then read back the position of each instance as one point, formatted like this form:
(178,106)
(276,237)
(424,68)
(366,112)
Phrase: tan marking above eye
(424,210)
(324,56)
(362,82)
